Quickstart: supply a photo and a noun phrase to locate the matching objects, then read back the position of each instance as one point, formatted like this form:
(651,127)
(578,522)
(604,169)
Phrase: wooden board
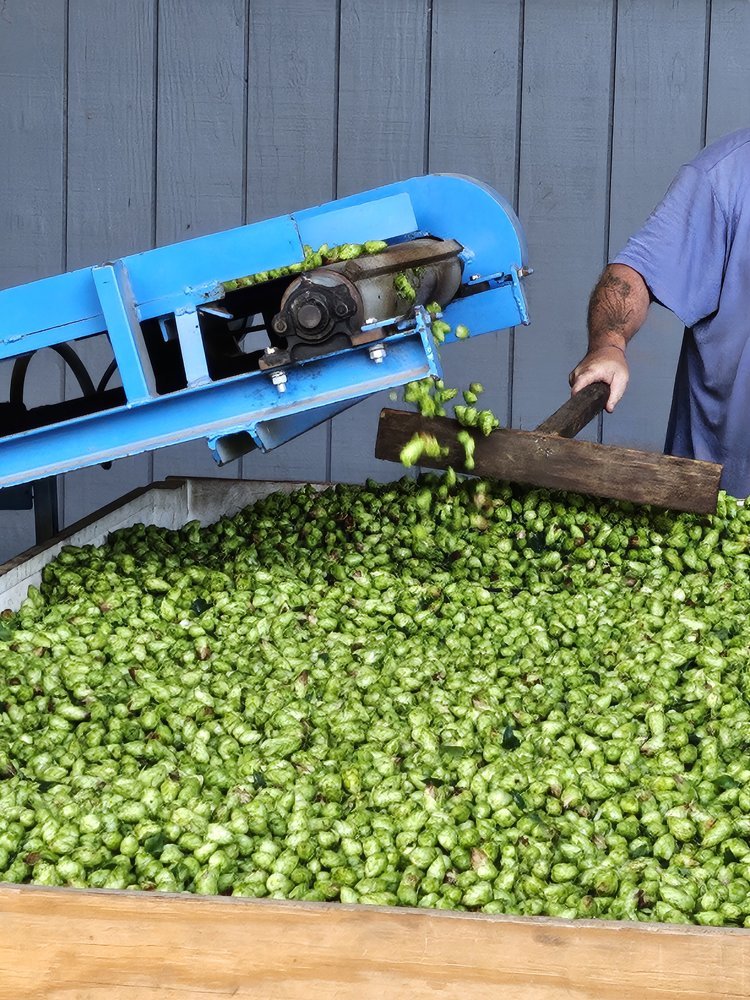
(658,109)
(32,124)
(382,97)
(60,944)
(562,464)
(291,135)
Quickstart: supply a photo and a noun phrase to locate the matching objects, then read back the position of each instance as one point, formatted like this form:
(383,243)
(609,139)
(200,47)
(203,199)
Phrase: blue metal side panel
(45,305)
(496,309)
(455,207)
(169,273)
(246,403)
(162,280)
(466,210)
(54,335)
(270,434)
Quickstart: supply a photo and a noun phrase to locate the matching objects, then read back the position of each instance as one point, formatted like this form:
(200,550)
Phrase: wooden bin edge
(92,944)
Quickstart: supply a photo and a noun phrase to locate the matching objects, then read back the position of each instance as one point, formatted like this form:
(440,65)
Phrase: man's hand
(606,364)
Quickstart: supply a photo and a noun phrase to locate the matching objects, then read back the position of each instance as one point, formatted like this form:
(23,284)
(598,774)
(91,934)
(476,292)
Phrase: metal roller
(340,305)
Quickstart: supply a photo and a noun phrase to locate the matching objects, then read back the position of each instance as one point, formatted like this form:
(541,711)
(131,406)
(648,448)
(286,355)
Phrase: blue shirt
(694,254)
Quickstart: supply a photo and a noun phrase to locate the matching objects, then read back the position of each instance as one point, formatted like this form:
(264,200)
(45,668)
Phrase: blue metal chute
(174,331)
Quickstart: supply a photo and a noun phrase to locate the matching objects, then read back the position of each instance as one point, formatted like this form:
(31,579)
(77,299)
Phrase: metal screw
(279,380)
(270,350)
(476,277)
(377,353)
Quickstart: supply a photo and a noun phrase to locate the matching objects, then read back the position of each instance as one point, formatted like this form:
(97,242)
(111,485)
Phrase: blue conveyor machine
(250,337)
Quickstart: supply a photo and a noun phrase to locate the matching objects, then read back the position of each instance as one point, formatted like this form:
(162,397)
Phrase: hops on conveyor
(312,259)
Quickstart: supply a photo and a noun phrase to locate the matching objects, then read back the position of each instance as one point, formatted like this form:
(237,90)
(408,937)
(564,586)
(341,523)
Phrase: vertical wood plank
(32,82)
(32,85)
(200,130)
(728,69)
(110,186)
(291,139)
(291,132)
(382,99)
(658,113)
(382,138)
(110,179)
(200,150)
(562,198)
(474,131)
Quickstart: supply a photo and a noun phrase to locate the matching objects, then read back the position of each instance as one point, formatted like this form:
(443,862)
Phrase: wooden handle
(577,412)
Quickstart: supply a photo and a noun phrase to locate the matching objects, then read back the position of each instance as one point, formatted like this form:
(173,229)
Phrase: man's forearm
(617,308)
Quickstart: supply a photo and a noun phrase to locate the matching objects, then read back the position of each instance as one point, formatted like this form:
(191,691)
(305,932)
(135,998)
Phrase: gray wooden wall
(130,123)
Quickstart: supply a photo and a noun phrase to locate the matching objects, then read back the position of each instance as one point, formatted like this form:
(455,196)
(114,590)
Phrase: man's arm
(617,310)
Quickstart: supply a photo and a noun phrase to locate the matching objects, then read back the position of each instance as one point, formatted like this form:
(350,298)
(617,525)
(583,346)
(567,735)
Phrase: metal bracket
(191,346)
(515,276)
(123,326)
(46,511)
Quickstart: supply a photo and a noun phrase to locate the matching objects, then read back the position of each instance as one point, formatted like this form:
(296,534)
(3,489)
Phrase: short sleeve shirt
(694,254)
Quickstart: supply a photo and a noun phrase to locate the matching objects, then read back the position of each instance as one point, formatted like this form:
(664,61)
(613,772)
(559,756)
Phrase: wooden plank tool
(549,457)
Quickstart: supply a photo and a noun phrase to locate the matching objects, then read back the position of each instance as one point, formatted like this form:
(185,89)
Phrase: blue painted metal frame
(213,411)
(173,281)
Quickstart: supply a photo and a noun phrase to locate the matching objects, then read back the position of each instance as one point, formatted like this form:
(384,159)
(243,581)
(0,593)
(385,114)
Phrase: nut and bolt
(279,380)
(377,353)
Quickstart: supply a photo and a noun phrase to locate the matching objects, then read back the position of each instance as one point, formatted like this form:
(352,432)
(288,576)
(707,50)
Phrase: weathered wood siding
(130,123)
